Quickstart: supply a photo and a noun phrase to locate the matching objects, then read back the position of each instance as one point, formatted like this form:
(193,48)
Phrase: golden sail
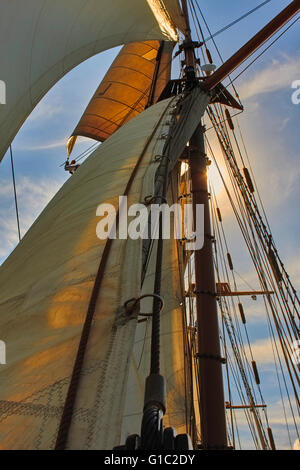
(135,80)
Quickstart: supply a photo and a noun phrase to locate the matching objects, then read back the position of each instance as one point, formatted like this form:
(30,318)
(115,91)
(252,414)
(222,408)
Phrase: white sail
(41,41)
(46,285)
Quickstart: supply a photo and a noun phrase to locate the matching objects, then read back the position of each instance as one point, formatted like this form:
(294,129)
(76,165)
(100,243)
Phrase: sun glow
(215,180)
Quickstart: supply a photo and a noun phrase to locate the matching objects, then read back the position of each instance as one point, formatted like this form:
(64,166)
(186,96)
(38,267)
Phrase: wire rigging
(266,49)
(237,20)
(282,308)
(15,192)
(238,186)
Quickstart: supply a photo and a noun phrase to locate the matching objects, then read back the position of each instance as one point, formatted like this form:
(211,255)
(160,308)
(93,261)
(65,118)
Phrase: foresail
(46,285)
(135,80)
(41,41)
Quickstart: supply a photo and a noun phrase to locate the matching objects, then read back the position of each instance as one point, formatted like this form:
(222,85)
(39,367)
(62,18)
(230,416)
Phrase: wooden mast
(212,407)
(212,402)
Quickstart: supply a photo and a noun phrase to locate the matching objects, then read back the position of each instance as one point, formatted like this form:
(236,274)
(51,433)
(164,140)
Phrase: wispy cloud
(33,196)
(45,110)
(57,143)
(45,145)
(262,351)
(281,421)
(278,75)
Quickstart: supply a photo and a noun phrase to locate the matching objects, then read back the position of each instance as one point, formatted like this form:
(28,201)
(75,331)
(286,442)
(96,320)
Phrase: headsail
(34,54)
(46,287)
(136,78)
(49,296)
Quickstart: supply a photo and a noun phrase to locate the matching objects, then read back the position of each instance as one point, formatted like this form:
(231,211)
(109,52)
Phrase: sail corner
(169,17)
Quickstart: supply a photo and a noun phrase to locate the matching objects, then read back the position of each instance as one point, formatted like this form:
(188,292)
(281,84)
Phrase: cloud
(279,417)
(45,110)
(45,146)
(277,76)
(262,351)
(292,266)
(33,196)
(55,144)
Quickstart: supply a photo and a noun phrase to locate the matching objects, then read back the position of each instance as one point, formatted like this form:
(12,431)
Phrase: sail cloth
(168,11)
(41,41)
(126,89)
(46,285)
(172,347)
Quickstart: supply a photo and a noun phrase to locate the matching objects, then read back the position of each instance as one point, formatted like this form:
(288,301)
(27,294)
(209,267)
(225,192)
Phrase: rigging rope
(236,338)
(265,50)
(88,151)
(237,20)
(216,47)
(249,198)
(239,187)
(249,217)
(221,235)
(15,191)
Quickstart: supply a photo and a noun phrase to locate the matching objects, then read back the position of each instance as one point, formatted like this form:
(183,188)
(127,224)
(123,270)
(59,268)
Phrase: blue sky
(270,125)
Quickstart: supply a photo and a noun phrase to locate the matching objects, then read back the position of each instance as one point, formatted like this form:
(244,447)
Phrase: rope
(134,302)
(222,234)
(257,256)
(15,191)
(84,153)
(237,20)
(155,336)
(217,49)
(151,432)
(265,50)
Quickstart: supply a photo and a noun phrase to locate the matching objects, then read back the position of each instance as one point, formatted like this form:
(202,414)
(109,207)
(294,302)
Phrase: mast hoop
(130,308)
(159,158)
(150,199)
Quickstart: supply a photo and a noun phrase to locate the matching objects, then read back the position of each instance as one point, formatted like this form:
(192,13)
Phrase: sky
(270,125)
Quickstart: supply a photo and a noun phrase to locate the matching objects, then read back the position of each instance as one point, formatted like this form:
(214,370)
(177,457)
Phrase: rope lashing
(206,292)
(212,357)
